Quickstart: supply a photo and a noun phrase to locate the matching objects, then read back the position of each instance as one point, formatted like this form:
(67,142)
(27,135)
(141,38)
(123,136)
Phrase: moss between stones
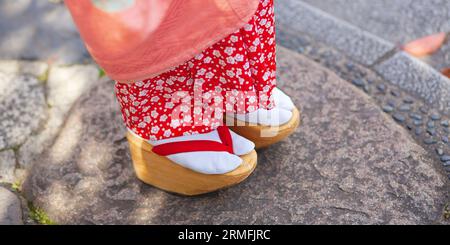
(39,215)
(44,76)
(101,73)
(16,186)
(447,211)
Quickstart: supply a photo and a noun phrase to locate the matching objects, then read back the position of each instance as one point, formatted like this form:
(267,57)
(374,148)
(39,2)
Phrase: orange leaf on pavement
(426,45)
(446,72)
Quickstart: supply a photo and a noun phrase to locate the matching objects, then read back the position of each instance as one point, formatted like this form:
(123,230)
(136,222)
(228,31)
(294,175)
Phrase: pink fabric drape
(152,36)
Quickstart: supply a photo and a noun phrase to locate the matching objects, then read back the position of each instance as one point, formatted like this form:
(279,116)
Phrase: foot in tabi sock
(196,164)
(281,114)
(282,100)
(203,153)
(266,127)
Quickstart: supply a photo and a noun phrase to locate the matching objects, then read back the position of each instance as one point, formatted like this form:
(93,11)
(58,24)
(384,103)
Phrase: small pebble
(408,100)
(369,81)
(430,124)
(418,131)
(405,107)
(391,103)
(439,151)
(445,158)
(409,127)
(435,117)
(447,164)
(388,108)
(395,93)
(447,130)
(431,131)
(358,82)
(445,139)
(423,109)
(381,87)
(350,66)
(399,117)
(415,116)
(361,73)
(445,124)
(366,89)
(430,141)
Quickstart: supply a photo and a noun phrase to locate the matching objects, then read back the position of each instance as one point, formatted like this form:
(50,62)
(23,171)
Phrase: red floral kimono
(234,75)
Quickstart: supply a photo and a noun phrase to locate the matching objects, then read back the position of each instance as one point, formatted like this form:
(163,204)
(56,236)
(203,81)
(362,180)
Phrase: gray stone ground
(297,19)
(301,19)
(39,30)
(7,166)
(10,208)
(23,108)
(422,120)
(397,21)
(36,99)
(296,16)
(343,166)
(414,77)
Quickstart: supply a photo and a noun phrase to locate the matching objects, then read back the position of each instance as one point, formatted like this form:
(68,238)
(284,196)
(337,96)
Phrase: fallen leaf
(446,72)
(426,45)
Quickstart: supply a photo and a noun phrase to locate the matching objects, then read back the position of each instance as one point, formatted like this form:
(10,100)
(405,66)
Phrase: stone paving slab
(441,59)
(23,108)
(10,210)
(64,85)
(357,44)
(297,20)
(344,165)
(34,68)
(35,101)
(39,30)
(416,78)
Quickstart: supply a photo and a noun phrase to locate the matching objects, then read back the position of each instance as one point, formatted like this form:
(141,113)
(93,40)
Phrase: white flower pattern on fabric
(237,73)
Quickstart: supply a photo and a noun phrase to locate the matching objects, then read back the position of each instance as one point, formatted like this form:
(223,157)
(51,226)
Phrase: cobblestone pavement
(39,30)
(424,123)
(414,94)
(398,21)
(345,164)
